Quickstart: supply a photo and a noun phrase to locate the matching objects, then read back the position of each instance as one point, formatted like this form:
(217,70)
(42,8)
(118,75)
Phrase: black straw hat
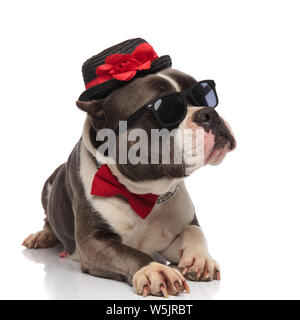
(118,65)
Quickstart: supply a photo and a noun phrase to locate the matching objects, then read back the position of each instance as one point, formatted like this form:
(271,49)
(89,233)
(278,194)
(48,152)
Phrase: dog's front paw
(198,266)
(158,279)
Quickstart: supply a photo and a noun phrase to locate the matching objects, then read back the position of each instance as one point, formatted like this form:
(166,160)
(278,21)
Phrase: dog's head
(216,138)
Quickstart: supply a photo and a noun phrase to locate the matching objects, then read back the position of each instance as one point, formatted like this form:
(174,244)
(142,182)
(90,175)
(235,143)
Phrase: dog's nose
(206,116)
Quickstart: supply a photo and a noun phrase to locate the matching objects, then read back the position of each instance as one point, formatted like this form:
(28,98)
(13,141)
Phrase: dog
(104,233)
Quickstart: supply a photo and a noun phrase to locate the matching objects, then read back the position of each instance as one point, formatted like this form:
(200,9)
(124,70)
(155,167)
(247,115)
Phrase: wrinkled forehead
(126,100)
(178,79)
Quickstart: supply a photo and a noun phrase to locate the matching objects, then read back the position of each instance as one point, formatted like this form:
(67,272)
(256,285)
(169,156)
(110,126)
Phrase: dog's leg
(46,237)
(103,254)
(111,259)
(190,251)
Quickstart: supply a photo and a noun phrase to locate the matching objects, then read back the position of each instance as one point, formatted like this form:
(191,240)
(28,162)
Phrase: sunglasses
(170,109)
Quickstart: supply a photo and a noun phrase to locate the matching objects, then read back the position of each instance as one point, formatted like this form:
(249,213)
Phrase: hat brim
(103,89)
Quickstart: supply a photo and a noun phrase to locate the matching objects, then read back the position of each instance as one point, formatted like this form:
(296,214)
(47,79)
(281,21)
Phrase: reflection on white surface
(64,280)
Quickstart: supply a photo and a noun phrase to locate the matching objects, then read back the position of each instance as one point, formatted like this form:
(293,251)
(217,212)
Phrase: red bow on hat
(124,66)
(105,184)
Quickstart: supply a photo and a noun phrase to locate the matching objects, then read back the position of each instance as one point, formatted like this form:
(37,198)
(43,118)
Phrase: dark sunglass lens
(170,109)
(205,95)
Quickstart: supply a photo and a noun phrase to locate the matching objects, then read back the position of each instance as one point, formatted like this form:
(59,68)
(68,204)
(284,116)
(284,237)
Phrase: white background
(248,206)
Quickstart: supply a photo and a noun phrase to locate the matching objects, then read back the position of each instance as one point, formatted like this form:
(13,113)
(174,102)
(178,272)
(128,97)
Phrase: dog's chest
(150,235)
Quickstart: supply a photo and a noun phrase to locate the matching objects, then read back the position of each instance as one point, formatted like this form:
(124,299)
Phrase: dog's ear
(94,108)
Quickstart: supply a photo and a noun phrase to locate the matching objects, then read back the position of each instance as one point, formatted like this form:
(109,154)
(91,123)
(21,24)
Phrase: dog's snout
(206,116)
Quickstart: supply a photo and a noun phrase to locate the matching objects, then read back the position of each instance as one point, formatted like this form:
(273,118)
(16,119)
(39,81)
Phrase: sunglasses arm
(133,118)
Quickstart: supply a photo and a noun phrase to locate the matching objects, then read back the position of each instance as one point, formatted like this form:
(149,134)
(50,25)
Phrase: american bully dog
(116,217)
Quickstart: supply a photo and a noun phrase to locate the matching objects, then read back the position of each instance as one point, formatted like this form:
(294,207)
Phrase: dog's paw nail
(178,286)
(186,287)
(145,291)
(193,275)
(185,270)
(164,291)
(217,275)
(207,277)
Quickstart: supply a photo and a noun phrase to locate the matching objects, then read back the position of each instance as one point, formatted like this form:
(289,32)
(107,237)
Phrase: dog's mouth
(218,151)
(217,139)
(223,143)
(216,143)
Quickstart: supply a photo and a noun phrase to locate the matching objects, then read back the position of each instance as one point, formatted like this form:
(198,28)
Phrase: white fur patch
(49,187)
(172,81)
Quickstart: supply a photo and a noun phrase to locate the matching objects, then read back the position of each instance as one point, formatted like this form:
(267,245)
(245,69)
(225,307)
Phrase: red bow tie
(105,184)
